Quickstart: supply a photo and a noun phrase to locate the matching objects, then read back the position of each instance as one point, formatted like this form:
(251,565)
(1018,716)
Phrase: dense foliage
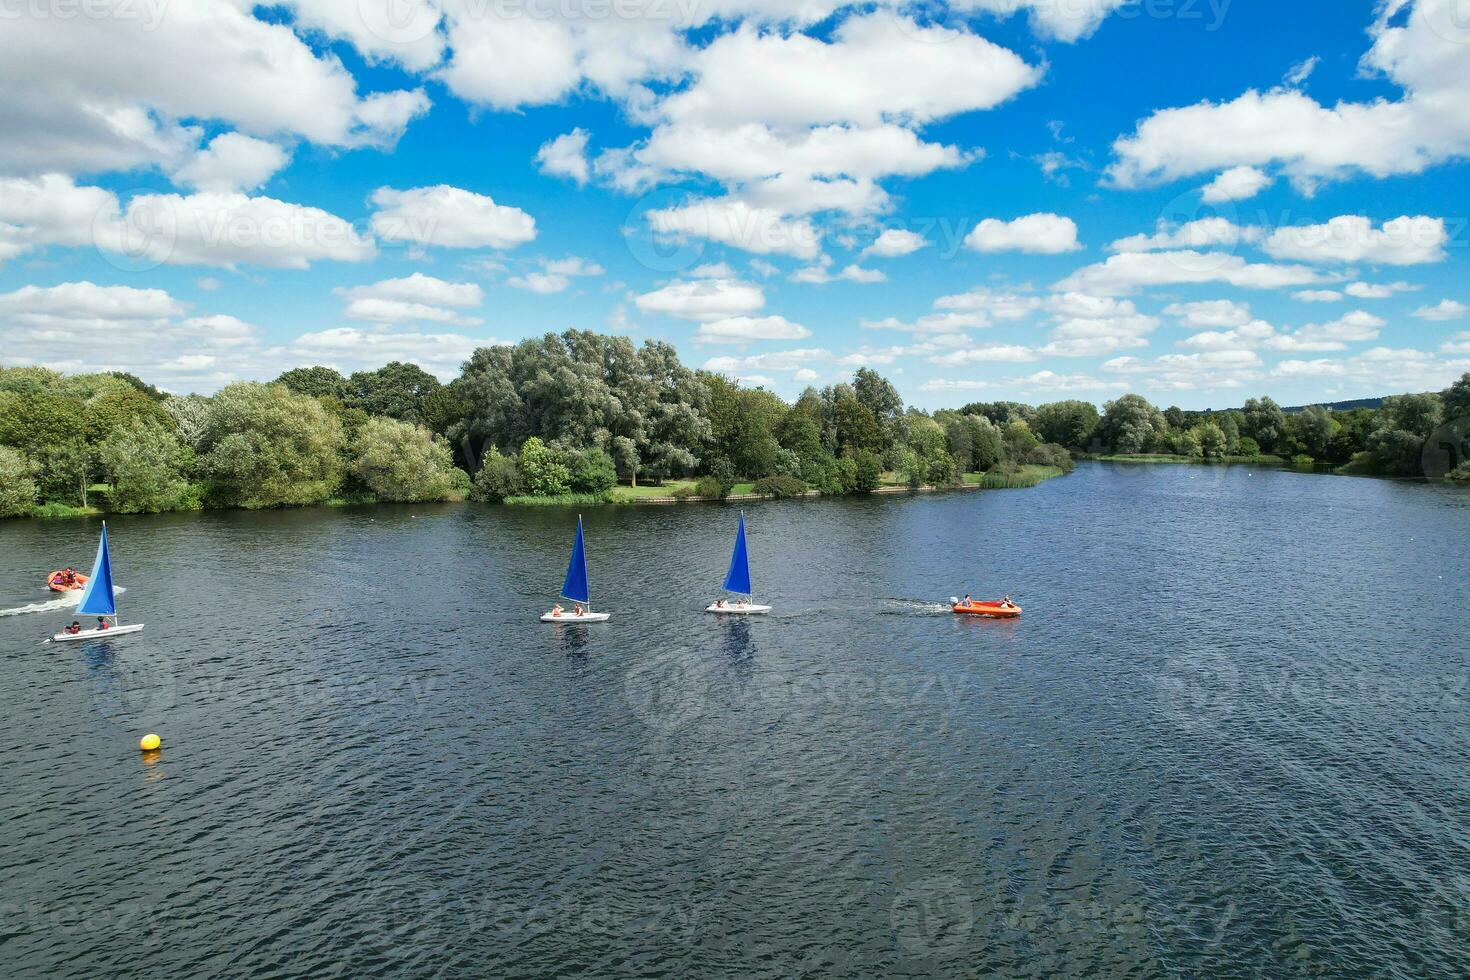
(573,415)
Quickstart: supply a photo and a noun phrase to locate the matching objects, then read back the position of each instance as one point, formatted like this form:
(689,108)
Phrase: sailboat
(737,580)
(575,588)
(100,600)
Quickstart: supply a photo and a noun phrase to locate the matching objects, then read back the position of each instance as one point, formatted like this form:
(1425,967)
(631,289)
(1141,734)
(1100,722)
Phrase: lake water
(1229,736)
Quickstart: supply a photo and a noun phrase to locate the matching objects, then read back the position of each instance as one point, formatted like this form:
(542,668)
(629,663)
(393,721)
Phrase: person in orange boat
(967,599)
(1006,603)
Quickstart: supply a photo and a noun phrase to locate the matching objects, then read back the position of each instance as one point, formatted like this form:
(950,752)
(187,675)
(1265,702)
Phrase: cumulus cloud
(449,217)
(1355,327)
(730,221)
(232,162)
(1317,295)
(1211,313)
(1204,233)
(1037,234)
(705,300)
(1236,184)
(1352,238)
(894,242)
(351,348)
(1418,45)
(1444,310)
(1403,369)
(744,329)
(566,156)
(1184,372)
(415,298)
(1127,272)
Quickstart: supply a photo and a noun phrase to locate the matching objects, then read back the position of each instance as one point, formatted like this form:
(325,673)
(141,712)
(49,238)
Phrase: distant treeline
(578,412)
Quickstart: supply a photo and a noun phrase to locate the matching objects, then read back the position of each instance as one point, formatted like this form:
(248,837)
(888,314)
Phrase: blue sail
(737,579)
(99,599)
(575,587)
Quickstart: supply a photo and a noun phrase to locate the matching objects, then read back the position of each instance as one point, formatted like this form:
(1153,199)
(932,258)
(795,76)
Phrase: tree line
(580,412)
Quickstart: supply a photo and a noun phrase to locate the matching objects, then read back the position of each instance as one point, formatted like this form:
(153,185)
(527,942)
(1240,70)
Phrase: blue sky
(1019,199)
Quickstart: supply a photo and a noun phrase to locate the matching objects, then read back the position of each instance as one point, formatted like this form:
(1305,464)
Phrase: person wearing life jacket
(74,628)
(967,600)
(102,623)
(69,575)
(1006,602)
(577,609)
(556,610)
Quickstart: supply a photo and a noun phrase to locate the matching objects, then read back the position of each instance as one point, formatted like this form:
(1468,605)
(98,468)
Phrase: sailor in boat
(102,623)
(577,610)
(720,603)
(1006,603)
(556,610)
(967,599)
(74,628)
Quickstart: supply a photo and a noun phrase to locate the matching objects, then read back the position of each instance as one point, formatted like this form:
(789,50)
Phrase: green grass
(568,500)
(665,489)
(63,510)
(1025,477)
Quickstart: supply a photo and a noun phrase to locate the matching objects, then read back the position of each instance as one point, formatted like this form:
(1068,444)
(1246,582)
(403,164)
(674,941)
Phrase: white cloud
(930,323)
(573,265)
(820,274)
(1040,381)
(1130,271)
(565,156)
(128,90)
(1419,46)
(232,162)
(1236,184)
(1457,344)
(1211,313)
(894,242)
(540,282)
(450,217)
(1204,233)
(415,298)
(744,329)
(1037,234)
(1246,336)
(1074,336)
(220,229)
(995,305)
(1448,309)
(1372,290)
(706,300)
(1355,327)
(733,222)
(1352,238)
(1065,20)
(1317,295)
(795,362)
(1380,368)
(50,210)
(1185,372)
(350,348)
(990,353)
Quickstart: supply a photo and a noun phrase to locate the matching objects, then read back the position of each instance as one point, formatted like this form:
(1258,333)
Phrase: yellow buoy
(149,742)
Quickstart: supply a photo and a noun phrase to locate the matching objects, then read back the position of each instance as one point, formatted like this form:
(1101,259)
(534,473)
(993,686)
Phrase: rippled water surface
(1229,736)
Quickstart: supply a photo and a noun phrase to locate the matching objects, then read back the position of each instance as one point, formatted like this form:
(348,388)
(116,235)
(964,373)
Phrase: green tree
(1067,423)
(499,477)
(1455,400)
(146,463)
(17,489)
(118,409)
(867,470)
(591,471)
(1211,440)
(1315,429)
(318,382)
(1131,425)
(856,426)
(542,470)
(397,390)
(875,393)
(265,446)
(403,462)
(1019,439)
(1265,422)
(1396,445)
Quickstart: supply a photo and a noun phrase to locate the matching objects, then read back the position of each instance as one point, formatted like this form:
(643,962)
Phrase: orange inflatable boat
(994,610)
(55,584)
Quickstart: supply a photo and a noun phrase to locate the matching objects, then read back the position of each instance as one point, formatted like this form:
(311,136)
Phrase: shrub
(1248,447)
(683,492)
(498,479)
(1303,461)
(591,471)
(401,461)
(17,488)
(542,470)
(1460,474)
(711,488)
(780,486)
(867,471)
(1051,454)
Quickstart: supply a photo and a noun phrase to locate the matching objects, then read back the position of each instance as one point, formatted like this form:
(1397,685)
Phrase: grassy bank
(1168,458)
(1025,477)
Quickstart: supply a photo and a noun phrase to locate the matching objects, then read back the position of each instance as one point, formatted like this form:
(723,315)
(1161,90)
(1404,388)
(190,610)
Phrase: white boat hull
(741,609)
(97,634)
(571,618)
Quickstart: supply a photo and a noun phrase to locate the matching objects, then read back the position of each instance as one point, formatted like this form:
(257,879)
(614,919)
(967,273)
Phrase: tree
(1315,429)
(1265,422)
(499,477)
(591,471)
(189,415)
(119,408)
(17,489)
(875,393)
(146,463)
(1130,424)
(1455,400)
(1067,423)
(1019,439)
(1211,440)
(318,382)
(265,446)
(625,458)
(1396,444)
(856,426)
(397,390)
(542,469)
(867,470)
(402,462)
(986,443)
